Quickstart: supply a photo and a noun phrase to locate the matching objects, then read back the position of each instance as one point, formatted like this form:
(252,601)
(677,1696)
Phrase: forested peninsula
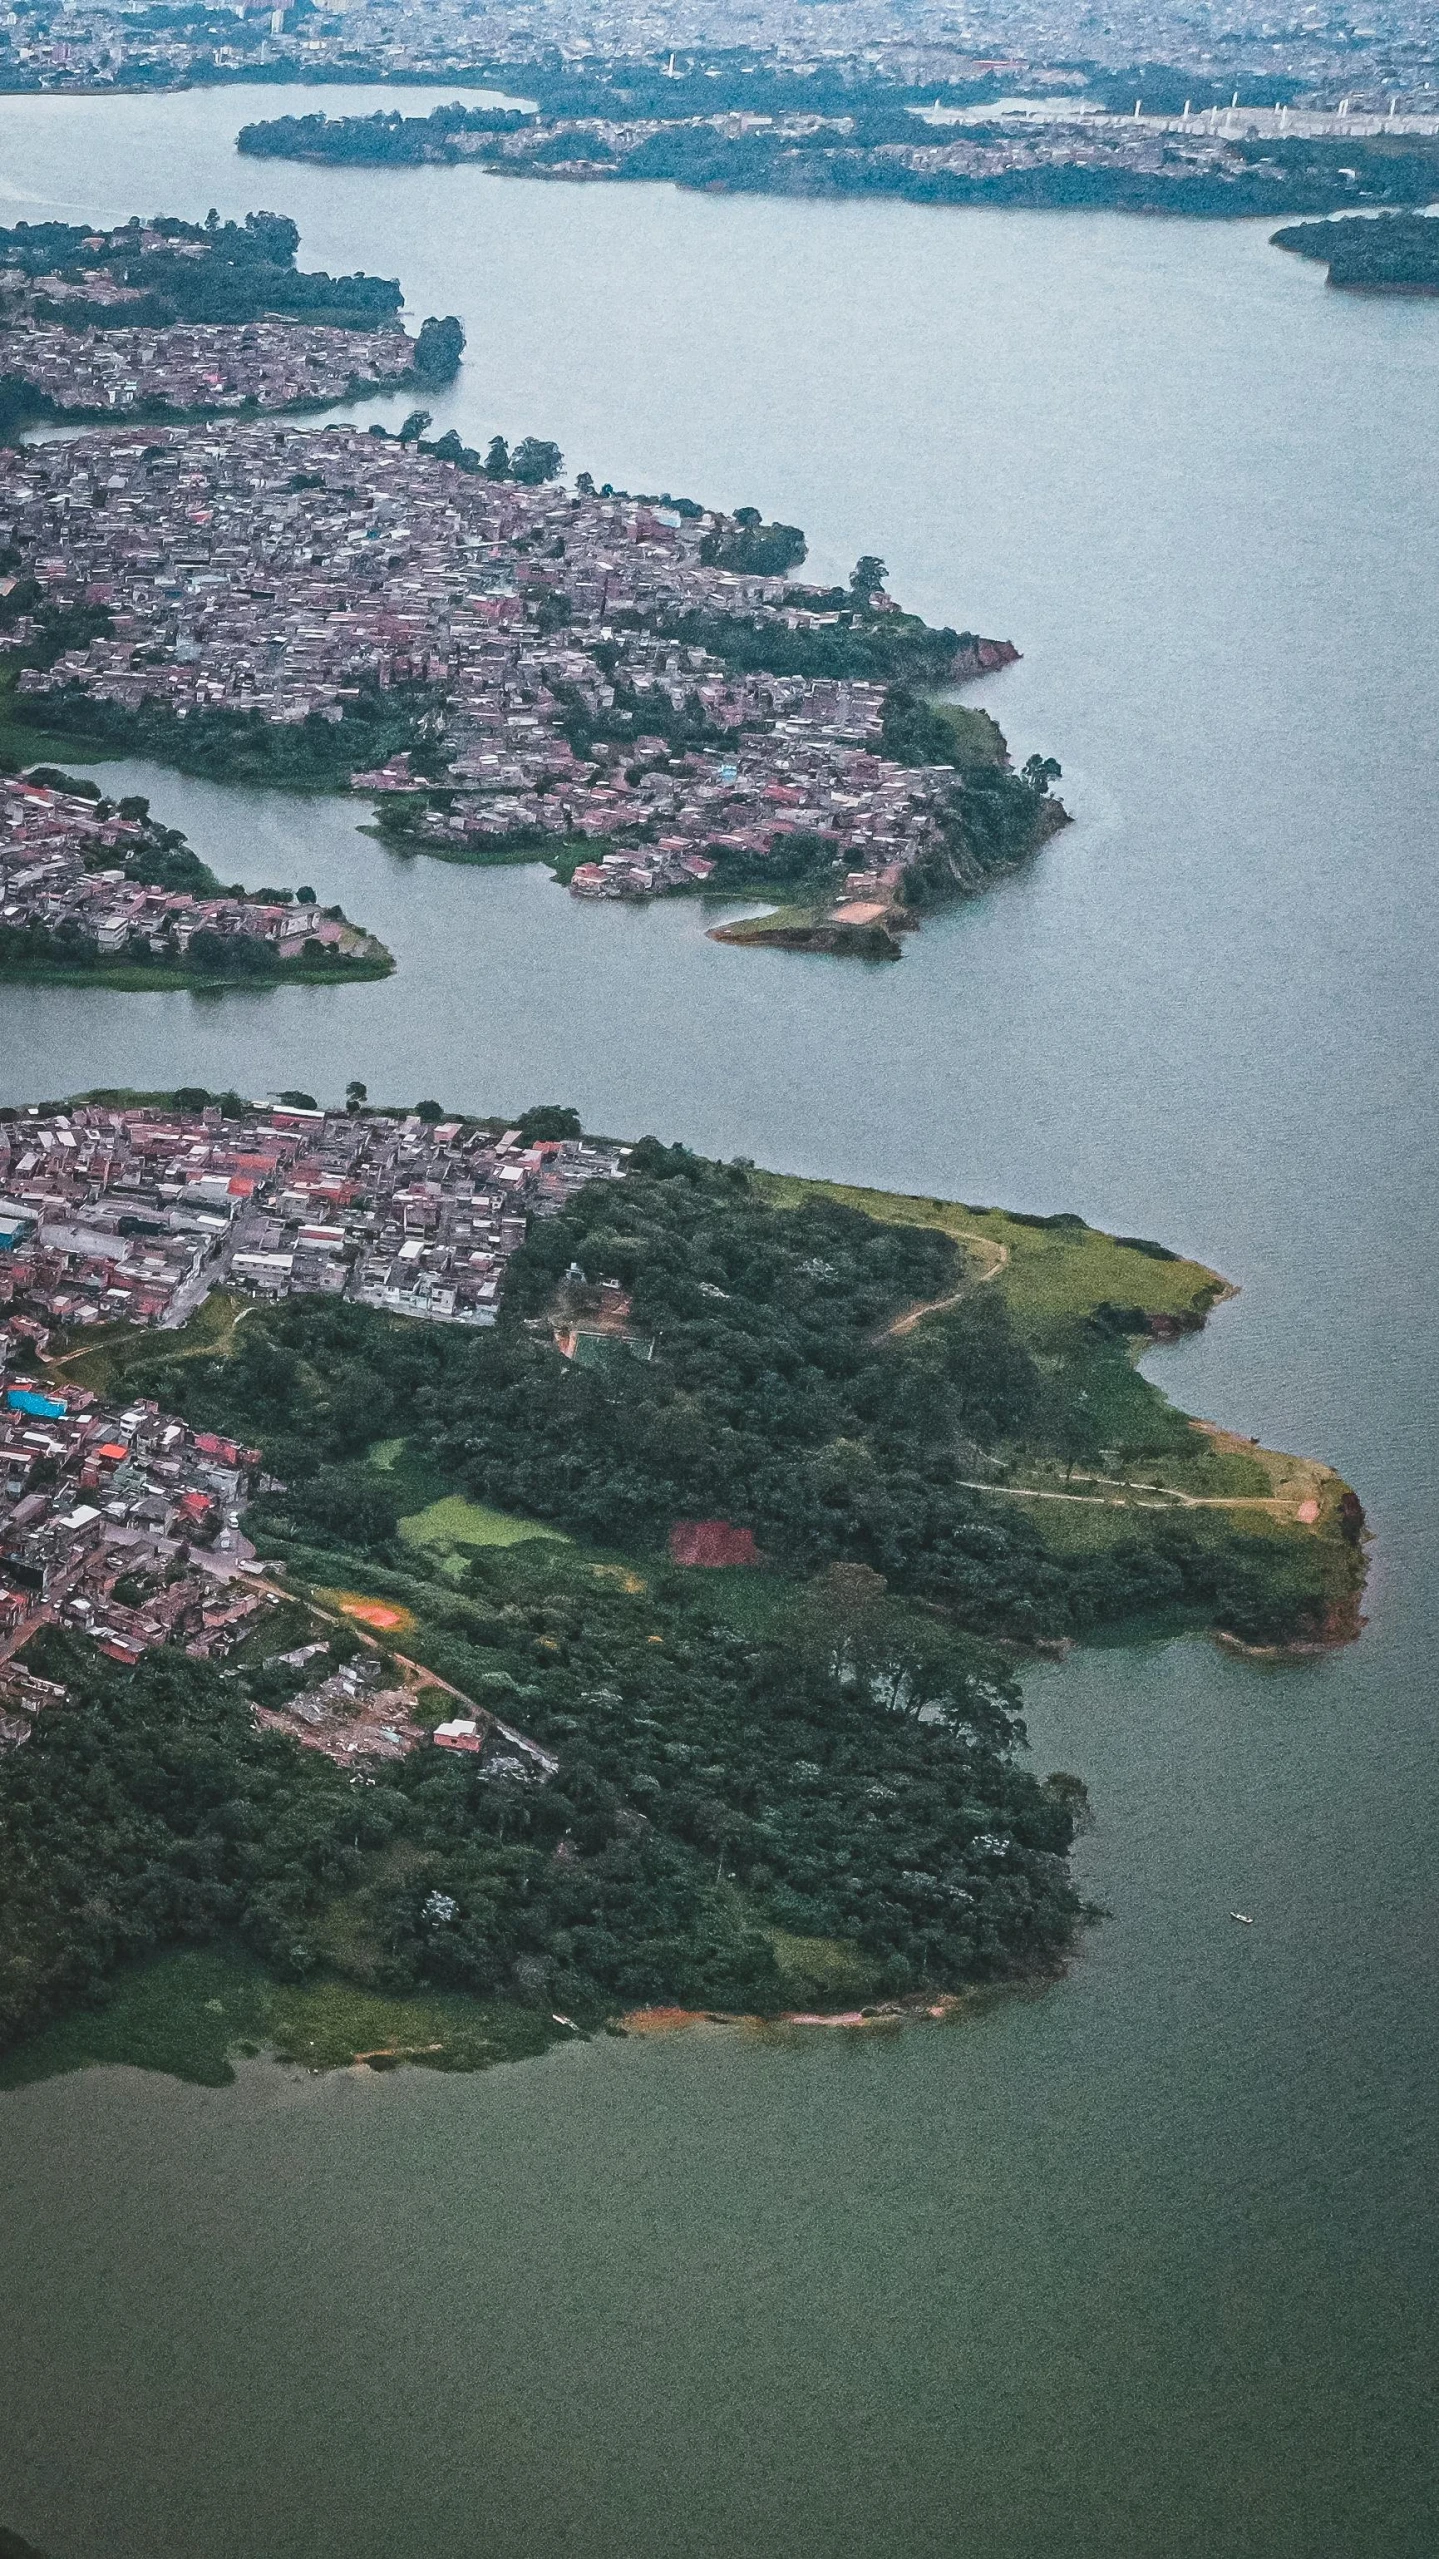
(867,144)
(745,1516)
(1388,253)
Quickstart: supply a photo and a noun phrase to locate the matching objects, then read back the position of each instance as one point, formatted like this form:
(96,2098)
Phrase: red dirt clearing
(711,1543)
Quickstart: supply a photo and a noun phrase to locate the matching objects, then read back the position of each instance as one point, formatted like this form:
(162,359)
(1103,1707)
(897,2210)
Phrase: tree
(305,897)
(866,580)
(497,460)
(536,460)
(355,1094)
(548,1120)
(299,1102)
(414,426)
(438,350)
(430,1112)
(1037,772)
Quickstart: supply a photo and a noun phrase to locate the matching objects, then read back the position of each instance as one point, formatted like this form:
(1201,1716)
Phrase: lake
(1144,2268)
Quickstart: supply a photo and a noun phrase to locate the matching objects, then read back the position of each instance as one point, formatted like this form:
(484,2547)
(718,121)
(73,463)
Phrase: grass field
(453,1523)
(1049,1273)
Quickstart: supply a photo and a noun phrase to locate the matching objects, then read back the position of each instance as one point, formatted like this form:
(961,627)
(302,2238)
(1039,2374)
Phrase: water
(1147,2266)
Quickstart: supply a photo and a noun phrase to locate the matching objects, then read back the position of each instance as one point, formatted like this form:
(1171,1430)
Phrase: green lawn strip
(778,919)
(978,737)
(822,1972)
(133,978)
(197,2010)
(439,1520)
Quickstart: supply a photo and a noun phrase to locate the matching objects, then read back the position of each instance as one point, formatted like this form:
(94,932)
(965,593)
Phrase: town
(133,1214)
(121,1522)
(121,1525)
(267,364)
(1025,46)
(90,881)
(169,318)
(537,648)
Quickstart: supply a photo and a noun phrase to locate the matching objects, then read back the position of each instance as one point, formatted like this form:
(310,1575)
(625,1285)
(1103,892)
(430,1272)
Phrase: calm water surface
(1147,2266)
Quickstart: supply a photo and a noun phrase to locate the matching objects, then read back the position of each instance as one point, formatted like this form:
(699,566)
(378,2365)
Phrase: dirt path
(936,1305)
(1277,1503)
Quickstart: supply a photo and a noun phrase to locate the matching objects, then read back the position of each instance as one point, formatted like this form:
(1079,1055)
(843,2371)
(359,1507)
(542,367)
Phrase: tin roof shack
(23,1696)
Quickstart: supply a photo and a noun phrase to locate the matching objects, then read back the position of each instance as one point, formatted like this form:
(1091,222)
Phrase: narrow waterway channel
(1145,2268)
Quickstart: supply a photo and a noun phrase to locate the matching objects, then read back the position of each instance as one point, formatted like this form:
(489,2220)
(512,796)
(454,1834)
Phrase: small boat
(1243,1918)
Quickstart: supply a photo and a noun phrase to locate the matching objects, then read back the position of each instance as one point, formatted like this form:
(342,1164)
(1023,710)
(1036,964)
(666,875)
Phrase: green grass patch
(823,1972)
(453,1522)
(194,2013)
(977,738)
(1052,1272)
(117,1362)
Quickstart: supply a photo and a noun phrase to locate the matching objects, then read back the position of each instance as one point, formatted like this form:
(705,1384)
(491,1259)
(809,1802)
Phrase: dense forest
(848,1773)
(1388,253)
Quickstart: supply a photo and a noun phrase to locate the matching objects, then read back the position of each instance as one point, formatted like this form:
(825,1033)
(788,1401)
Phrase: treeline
(385,139)
(39,951)
(313,754)
(859,648)
(1290,174)
(1388,253)
(752,548)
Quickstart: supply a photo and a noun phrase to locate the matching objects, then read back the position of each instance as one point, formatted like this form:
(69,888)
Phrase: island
(172,319)
(635,689)
(384,1676)
(823,137)
(1383,253)
(96,892)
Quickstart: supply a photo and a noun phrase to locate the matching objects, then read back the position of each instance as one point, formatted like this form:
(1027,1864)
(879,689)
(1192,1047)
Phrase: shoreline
(134,979)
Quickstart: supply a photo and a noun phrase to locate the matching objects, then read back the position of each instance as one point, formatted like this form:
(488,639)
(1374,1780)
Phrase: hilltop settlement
(120,1522)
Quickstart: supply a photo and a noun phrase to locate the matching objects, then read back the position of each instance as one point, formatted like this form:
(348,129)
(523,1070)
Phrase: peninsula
(95,892)
(635,689)
(670,1612)
(821,140)
(171,319)
(1388,253)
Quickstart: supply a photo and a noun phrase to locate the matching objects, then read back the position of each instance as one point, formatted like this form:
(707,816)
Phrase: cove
(1146,2265)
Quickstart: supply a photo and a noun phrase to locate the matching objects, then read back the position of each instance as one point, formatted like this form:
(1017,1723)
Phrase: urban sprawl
(262,570)
(1327,52)
(122,1522)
